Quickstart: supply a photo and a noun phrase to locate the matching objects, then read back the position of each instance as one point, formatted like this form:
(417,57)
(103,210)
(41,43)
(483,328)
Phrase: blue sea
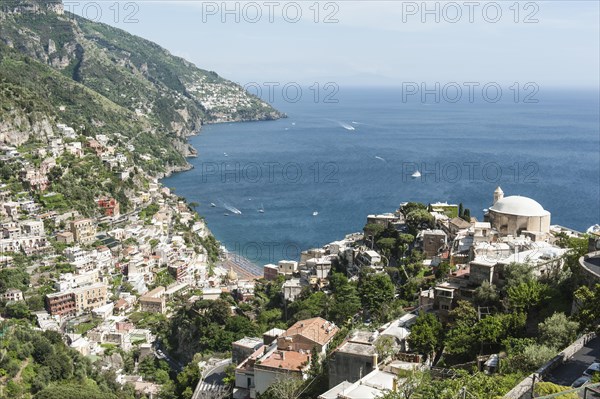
(355,157)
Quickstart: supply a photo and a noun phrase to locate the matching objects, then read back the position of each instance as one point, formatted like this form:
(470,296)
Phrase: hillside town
(106,279)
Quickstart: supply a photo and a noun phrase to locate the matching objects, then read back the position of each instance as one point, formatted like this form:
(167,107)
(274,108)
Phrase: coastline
(191,152)
(242,266)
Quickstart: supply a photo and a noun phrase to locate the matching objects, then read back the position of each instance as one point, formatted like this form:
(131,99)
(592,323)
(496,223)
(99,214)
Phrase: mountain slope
(158,93)
(32,96)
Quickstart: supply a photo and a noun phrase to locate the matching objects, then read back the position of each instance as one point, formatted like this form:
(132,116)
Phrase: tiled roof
(316,329)
(286,360)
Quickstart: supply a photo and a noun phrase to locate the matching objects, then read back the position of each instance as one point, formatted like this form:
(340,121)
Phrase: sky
(371,43)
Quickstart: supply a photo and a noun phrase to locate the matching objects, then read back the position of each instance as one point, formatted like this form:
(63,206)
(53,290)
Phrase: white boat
(212,205)
(315,213)
(262,209)
(225,154)
(416,174)
(225,214)
(346,126)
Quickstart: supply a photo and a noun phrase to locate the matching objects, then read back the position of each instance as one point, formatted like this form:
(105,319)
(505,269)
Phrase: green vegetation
(48,369)
(426,335)
(421,385)
(377,294)
(548,388)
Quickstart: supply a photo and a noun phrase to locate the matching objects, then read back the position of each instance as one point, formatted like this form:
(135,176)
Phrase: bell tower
(498,194)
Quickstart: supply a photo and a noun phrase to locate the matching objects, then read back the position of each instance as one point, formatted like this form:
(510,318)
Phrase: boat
(225,214)
(262,209)
(212,205)
(416,174)
(315,213)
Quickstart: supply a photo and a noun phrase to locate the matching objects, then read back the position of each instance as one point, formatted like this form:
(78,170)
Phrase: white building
(515,214)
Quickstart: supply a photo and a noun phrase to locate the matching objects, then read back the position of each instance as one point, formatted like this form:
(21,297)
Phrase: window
(445,307)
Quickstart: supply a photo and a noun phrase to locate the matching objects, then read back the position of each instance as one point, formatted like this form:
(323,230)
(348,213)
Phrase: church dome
(231,275)
(520,206)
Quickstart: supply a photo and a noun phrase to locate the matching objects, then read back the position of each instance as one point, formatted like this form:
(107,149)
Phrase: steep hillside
(56,59)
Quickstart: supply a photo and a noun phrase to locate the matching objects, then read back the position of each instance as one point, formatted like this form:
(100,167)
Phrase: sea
(269,190)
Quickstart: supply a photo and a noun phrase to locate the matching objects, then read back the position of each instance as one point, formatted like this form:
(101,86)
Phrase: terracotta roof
(286,360)
(460,223)
(121,304)
(316,329)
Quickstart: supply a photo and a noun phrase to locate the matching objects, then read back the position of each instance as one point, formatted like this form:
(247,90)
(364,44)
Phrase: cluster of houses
(221,99)
(357,367)
(515,229)
(27,236)
(36,174)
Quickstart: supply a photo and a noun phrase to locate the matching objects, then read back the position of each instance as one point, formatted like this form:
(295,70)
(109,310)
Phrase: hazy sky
(552,43)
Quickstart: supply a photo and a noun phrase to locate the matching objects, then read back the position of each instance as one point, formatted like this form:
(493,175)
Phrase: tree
(419,219)
(442,271)
(386,245)
(73,391)
(412,206)
(283,388)
(461,339)
(375,290)
(55,174)
(558,331)
(527,295)
(345,304)
(517,273)
(491,329)
(17,310)
(384,345)
(467,215)
(534,356)
(373,230)
(486,294)
(588,307)
(312,304)
(337,280)
(426,335)
(14,278)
